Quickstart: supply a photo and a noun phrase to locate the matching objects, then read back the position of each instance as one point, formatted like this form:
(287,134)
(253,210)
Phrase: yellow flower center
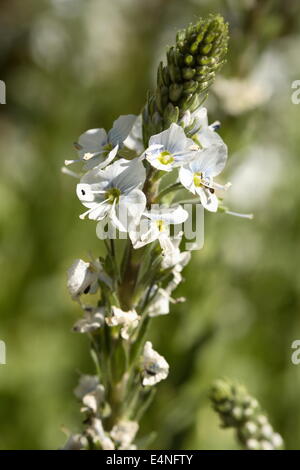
(112,195)
(160,225)
(165,158)
(198,179)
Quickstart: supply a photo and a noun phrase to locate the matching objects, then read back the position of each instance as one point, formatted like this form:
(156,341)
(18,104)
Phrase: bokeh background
(70,65)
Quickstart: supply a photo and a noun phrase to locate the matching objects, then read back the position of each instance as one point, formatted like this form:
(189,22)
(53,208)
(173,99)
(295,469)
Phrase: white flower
(182,260)
(160,304)
(127,320)
(170,149)
(172,254)
(90,392)
(123,433)
(154,367)
(99,436)
(161,297)
(197,176)
(93,399)
(96,147)
(196,125)
(92,320)
(86,384)
(155,225)
(113,195)
(83,278)
(76,442)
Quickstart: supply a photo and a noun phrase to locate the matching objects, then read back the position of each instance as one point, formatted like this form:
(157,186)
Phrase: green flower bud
(171,114)
(175,92)
(192,63)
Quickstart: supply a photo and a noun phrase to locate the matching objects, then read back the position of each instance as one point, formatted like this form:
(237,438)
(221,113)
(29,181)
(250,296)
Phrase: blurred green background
(70,65)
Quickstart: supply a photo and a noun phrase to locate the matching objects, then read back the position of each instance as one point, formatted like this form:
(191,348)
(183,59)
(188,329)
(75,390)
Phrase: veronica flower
(170,149)
(127,320)
(96,147)
(76,442)
(93,320)
(86,384)
(154,367)
(160,305)
(182,261)
(196,125)
(83,278)
(123,433)
(197,176)
(98,435)
(161,297)
(90,392)
(155,225)
(114,195)
(172,254)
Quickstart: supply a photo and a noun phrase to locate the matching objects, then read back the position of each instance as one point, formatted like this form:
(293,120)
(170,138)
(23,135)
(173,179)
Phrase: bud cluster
(191,67)
(239,410)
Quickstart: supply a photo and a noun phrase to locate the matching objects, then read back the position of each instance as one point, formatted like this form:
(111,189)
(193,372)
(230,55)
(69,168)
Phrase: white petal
(173,139)
(80,277)
(208,200)
(144,233)
(155,367)
(186,178)
(115,218)
(134,141)
(121,129)
(170,215)
(160,304)
(208,137)
(124,432)
(210,161)
(86,384)
(200,117)
(92,141)
(130,174)
(98,211)
(101,161)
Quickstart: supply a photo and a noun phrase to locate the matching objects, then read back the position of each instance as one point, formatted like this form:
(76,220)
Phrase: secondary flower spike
(239,410)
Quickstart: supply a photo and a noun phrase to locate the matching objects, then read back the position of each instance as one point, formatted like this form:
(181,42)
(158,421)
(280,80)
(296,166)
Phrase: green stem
(167,190)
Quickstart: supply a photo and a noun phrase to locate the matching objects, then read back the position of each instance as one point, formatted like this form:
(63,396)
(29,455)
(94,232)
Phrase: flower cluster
(134,181)
(116,193)
(239,410)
